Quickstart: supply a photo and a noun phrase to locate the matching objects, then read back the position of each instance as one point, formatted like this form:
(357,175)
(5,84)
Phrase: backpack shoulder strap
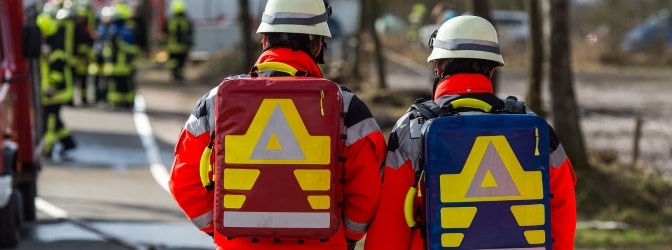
(427,108)
(513,106)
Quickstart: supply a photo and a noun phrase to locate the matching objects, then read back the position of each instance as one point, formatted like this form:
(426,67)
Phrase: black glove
(351,244)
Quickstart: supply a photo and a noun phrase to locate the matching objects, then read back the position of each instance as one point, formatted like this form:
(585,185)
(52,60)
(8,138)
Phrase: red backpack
(277,145)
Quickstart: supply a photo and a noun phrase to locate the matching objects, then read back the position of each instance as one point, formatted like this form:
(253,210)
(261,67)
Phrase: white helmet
(296,16)
(465,37)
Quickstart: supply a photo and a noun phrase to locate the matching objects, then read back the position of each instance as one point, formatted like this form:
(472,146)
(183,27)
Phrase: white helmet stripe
(467,44)
(294,18)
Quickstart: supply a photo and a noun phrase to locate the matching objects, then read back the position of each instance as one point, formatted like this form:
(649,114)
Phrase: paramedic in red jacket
(289,38)
(465,51)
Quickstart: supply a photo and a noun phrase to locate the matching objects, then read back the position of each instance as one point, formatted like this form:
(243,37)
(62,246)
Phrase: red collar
(463,84)
(298,59)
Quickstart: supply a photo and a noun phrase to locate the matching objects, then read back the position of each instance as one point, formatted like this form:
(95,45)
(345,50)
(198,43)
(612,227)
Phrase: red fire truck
(20,45)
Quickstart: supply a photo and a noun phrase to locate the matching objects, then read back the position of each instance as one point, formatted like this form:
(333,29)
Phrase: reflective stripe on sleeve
(394,160)
(276,219)
(203,221)
(197,126)
(200,122)
(355,226)
(347,98)
(360,130)
(407,148)
(558,157)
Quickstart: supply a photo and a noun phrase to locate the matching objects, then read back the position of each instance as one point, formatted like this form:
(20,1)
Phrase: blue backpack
(485,178)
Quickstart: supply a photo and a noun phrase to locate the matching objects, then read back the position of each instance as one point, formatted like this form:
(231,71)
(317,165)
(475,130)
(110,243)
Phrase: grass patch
(623,239)
(617,192)
(613,191)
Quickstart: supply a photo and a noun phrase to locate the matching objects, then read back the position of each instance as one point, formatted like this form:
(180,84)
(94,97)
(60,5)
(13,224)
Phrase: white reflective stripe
(558,156)
(355,226)
(395,159)
(294,18)
(277,219)
(347,98)
(5,188)
(203,221)
(197,126)
(467,44)
(360,130)
(408,148)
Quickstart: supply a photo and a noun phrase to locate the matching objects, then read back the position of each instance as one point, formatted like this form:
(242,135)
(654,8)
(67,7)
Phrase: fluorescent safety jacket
(120,50)
(55,68)
(364,153)
(390,231)
(179,32)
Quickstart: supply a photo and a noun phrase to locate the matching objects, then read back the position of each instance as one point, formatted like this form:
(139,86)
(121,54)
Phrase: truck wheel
(29,191)
(10,222)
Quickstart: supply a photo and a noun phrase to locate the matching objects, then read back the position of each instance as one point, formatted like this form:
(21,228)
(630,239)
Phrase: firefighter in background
(82,52)
(85,10)
(178,31)
(56,82)
(415,21)
(96,78)
(65,19)
(119,54)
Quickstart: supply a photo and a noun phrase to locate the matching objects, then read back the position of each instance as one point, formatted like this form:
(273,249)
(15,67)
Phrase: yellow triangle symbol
(488,180)
(273,143)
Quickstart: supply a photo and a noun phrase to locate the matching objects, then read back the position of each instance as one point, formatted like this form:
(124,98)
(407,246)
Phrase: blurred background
(598,70)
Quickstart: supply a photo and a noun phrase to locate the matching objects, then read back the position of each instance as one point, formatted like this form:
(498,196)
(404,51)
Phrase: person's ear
(438,67)
(317,47)
(264,41)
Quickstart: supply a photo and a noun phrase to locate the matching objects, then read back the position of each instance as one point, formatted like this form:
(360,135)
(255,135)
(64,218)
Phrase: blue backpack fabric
(485,178)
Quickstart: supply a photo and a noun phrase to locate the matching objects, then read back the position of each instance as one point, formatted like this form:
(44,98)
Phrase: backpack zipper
(536,147)
(322,102)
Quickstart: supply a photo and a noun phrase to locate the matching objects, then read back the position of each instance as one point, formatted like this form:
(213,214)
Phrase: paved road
(109,193)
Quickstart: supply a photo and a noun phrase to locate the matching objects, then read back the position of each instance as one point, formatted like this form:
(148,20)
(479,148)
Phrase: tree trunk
(482,8)
(377,45)
(566,119)
(536,51)
(355,73)
(245,37)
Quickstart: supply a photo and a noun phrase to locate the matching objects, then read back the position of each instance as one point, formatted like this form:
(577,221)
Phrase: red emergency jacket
(390,231)
(364,153)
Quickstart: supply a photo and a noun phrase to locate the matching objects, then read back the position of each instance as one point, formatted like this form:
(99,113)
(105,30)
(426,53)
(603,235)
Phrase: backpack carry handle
(409,206)
(206,168)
